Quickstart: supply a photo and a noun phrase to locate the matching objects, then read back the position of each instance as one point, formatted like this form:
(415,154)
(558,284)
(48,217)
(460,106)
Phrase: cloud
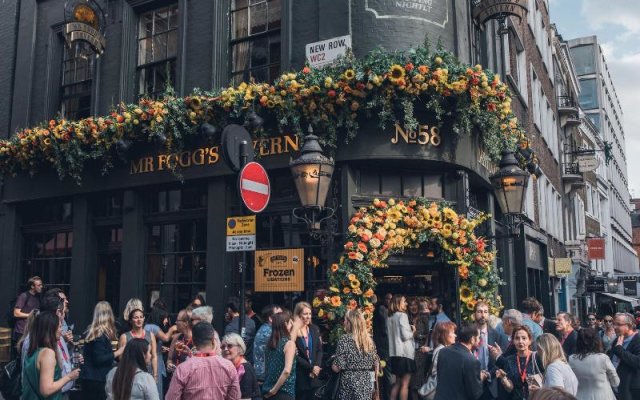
(603,14)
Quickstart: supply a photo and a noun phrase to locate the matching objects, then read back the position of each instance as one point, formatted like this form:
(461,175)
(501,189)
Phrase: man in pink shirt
(206,375)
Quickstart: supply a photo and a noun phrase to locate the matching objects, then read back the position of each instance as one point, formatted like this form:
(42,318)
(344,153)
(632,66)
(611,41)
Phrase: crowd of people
(414,352)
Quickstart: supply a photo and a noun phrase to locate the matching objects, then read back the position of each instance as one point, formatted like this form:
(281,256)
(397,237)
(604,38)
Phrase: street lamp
(312,173)
(509,186)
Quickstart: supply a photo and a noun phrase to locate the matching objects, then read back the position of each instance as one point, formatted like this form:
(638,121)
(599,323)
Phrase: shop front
(142,232)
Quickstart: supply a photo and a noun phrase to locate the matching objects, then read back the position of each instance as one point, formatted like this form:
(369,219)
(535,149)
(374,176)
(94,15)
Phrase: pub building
(141,231)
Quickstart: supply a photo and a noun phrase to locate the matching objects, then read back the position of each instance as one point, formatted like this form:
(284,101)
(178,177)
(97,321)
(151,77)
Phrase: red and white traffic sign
(255,189)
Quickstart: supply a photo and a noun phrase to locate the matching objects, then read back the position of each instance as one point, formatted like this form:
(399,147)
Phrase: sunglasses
(226,346)
(608,321)
(592,319)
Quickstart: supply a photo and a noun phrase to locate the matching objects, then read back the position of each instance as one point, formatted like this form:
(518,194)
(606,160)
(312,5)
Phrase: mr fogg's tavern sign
(84,21)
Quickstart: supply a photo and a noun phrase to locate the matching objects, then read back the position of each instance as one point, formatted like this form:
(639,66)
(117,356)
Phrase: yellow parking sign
(241,225)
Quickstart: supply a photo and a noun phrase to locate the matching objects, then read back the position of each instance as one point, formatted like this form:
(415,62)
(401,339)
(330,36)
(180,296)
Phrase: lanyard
(64,353)
(523,373)
(309,343)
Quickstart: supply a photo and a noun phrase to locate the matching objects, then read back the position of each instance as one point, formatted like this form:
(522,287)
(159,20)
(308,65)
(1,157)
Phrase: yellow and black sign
(279,270)
(85,22)
(241,225)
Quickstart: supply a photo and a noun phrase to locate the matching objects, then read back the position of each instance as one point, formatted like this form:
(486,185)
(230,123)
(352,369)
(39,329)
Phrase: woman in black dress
(515,370)
(309,357)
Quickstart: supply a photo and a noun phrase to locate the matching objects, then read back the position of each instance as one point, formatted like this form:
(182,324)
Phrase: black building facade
(142,232)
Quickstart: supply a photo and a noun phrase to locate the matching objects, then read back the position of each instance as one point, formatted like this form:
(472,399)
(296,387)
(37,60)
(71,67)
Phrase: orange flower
(306,70)
(353,255)
(362,247)
(334,267)
(464,271)
(336,301)
(352,304)
(346,290)
(368,293)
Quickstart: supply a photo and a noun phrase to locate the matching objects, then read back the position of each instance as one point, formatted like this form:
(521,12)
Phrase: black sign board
(597,284)
(630,287)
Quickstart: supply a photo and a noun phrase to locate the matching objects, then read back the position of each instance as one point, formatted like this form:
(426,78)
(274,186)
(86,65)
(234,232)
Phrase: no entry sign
(255,189)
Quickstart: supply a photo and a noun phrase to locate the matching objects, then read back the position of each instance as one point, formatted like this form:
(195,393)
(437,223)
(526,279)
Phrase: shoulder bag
(428,390)
(536,378)
(11,380)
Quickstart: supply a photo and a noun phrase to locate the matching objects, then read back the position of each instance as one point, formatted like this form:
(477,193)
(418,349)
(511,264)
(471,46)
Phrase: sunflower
(334,267)
(396,75)
(355,283)
(466,294)
(349,74)
(336,301)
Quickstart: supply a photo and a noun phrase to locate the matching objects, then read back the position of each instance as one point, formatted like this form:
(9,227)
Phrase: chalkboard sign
(597,284)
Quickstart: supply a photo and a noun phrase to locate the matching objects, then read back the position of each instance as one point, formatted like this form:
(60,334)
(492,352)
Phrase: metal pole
(243,264)
(458,303)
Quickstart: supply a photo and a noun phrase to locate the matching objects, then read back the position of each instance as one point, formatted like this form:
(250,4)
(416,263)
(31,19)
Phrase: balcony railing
(566,102)
(570,168)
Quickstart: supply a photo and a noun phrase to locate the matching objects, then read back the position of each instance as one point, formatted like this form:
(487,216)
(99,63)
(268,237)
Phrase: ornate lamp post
(509,186)
(312,173)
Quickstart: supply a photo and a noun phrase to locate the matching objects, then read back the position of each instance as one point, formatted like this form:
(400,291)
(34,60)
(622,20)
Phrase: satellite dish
(232,136)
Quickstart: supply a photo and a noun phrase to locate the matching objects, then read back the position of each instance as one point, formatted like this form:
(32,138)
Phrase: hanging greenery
(391,86)
(389,227)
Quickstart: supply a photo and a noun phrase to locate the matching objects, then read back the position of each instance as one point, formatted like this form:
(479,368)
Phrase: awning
(631,300)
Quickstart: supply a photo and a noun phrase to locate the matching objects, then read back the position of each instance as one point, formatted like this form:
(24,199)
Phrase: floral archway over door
(388,227)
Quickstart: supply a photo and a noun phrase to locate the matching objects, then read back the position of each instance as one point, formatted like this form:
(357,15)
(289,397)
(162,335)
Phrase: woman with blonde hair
(309,357)
(98,353)
(558,373)
(401,347)
(355,358)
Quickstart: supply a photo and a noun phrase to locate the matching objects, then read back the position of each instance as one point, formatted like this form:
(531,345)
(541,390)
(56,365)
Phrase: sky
(617,25)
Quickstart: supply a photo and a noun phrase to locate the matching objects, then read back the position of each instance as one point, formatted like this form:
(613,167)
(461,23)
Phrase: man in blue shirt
(531,308)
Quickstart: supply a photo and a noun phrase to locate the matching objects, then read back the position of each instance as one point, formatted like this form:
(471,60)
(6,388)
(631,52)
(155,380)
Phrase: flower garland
(332,99)
(388,227)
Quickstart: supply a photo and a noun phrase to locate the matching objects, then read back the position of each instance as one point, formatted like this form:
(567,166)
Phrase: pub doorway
(417,273)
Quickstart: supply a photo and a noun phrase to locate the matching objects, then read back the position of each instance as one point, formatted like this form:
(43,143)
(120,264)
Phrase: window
(176,262)
(157,50)
(48,255)
(400,184)
(583,59)
(588,94)
(109,254)
(595,118)
(77,76)
(255,40)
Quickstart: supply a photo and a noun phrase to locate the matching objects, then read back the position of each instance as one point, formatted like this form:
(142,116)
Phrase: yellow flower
(351,277)
(482,282)
(321,313)
(396,73)
(336,301)
(466,294)
(349,74)
(355,283)
(334,289)
(316,303)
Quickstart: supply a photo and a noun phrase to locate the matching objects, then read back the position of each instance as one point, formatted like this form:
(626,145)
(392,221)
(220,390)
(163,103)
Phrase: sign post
(255,190)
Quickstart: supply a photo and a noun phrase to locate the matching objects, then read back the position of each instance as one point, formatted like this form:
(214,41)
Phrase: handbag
(11,380)
(428,390)
(537,378)
(329,391)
